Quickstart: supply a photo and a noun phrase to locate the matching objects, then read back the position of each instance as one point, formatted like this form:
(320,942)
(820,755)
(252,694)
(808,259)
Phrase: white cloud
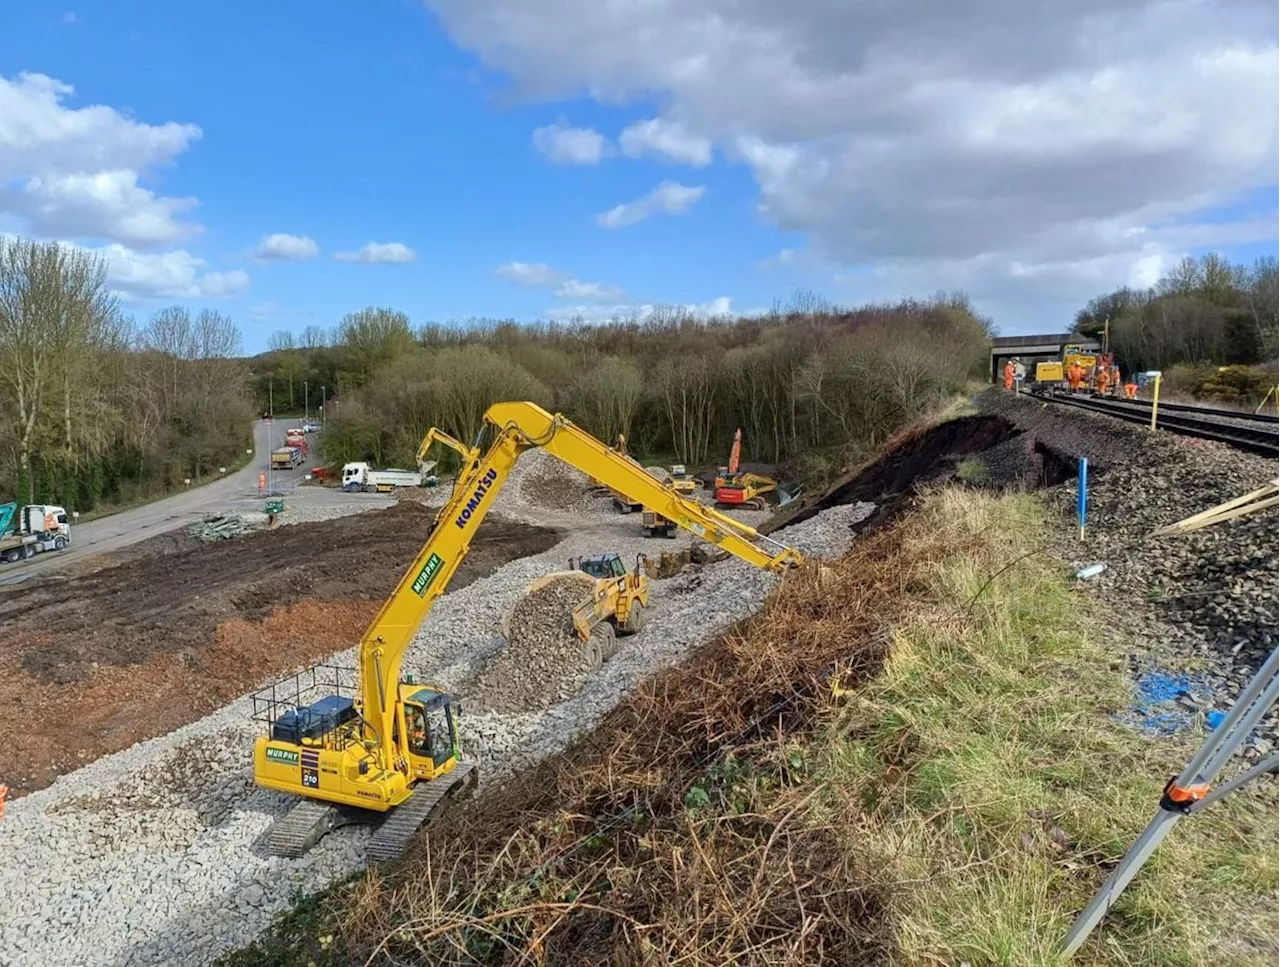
(624,311)
(570,146)
(934,140)
(136,276)
(540,275)
(530,273)
(391,253)
(106,204)
(595,291)
(282,247)
(669,197)
(74,172)
(263,311)
(666,139)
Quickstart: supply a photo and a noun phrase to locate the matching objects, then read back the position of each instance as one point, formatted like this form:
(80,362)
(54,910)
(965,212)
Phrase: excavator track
(392,837)
(302,827)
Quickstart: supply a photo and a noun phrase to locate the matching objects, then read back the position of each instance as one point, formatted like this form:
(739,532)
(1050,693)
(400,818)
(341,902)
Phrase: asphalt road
(235,492)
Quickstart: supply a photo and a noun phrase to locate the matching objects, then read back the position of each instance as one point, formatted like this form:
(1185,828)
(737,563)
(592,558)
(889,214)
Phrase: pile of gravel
(544,658)
(166,838)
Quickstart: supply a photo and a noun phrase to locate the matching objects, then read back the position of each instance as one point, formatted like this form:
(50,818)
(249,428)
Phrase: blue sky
(403,122)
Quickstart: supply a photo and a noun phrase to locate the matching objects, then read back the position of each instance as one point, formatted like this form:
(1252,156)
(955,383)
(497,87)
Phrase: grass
(972,471)
(996,784)
(908,759)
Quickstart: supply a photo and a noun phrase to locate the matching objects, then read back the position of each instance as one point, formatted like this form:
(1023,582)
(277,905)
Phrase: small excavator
(391,746)
(736,488)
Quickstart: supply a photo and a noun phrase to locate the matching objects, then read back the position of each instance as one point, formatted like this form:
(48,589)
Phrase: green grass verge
(998,790)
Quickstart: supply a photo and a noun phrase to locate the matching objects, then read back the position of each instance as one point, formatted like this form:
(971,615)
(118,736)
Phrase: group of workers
(1103,378)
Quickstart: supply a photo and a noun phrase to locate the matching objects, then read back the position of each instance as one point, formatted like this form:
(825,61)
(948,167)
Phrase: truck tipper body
(286,458)
(31,529)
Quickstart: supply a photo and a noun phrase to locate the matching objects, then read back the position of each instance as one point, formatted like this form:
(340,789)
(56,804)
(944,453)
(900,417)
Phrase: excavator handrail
(519,426)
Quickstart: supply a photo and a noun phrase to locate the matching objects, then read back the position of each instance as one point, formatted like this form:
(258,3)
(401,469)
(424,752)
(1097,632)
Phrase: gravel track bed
(154,855)
(1200,607)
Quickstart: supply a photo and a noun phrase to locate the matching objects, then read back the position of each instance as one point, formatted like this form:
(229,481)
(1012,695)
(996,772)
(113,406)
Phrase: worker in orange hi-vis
(1131,390)
(1104,380)
(1075,374)
(1115,378)
(262,481)
(1008,374)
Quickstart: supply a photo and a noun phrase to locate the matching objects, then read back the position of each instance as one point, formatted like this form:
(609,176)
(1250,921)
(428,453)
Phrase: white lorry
(38,527)
(358,475)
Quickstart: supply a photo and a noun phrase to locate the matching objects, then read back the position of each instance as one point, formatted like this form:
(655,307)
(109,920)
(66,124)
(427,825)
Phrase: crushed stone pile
(551,485)
(544,659)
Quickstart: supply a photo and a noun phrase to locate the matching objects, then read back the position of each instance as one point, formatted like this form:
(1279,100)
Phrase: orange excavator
(734,488)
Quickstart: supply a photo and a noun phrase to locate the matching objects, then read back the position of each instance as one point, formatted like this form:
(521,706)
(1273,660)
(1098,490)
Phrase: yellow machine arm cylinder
(519,427)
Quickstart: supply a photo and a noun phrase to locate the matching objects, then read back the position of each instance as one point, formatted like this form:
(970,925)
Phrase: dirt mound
(544,660)
(919,458)
(179,627)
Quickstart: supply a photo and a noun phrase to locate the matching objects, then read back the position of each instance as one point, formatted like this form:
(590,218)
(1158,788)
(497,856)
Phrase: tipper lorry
(358,475)
(286,458)
(26,531)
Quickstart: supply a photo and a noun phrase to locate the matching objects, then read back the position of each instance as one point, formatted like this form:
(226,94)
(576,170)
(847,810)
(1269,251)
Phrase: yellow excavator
(390,746)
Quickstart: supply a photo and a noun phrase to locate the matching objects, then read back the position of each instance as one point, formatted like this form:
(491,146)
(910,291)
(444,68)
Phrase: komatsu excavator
(391,746)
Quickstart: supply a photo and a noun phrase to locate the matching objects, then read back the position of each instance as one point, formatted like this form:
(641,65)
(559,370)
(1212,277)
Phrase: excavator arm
(517,427)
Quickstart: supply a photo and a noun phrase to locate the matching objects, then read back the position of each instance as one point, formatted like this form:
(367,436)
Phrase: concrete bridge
(1032,349)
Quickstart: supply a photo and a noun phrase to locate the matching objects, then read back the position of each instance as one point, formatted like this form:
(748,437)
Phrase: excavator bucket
(789,496)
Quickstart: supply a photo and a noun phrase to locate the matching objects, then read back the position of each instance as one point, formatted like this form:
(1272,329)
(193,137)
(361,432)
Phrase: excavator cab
(430,729)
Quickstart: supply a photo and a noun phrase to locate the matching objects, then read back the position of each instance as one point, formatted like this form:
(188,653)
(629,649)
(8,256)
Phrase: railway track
(1254,432)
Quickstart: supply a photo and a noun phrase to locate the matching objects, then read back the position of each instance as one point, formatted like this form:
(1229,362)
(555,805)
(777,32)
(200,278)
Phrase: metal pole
(324,409)
(1082,497)
(306,402)
(1217,748)
(271,398)
(1155,402)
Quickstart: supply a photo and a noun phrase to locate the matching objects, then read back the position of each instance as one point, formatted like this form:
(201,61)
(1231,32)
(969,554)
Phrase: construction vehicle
(286,458)
(31,530)
(613,602)
(358,475)
(683,481)
(296,438)
(737,488)
(391,746)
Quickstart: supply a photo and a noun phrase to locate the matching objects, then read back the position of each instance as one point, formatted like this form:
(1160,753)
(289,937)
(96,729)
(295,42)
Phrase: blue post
(1082,495)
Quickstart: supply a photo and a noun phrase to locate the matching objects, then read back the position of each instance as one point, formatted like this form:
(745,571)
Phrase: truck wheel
(601,646)
(59,543)
(10,556)
(370,488)
(28,552)
(635,619)
(670,531)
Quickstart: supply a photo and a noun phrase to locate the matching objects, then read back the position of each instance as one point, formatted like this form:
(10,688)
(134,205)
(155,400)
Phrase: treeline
(807,385)
(1206,311)
(94,408)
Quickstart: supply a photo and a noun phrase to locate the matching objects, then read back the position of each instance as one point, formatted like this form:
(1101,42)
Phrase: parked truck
(295,438)
(286,458)
(29,530)
(358,475)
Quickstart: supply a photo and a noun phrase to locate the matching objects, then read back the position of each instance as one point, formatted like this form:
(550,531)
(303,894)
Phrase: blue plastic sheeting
(1155,709)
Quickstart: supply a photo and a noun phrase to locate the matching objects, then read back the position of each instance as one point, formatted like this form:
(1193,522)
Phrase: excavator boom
(371,752)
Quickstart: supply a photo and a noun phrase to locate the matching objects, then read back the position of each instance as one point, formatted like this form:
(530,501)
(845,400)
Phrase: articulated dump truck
(382,749)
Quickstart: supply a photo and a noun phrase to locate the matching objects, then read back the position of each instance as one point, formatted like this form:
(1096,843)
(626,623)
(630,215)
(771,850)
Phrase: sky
(289,162)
